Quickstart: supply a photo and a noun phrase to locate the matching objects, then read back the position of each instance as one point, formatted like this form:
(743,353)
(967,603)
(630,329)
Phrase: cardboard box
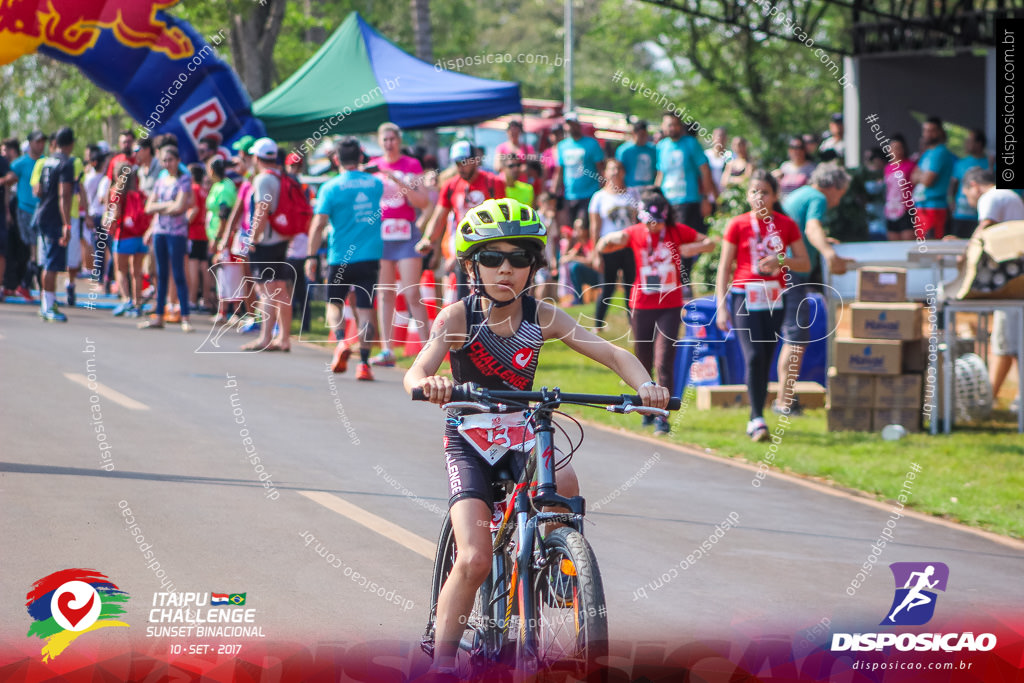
(899,391)
(886,321)
(910,418)
(849,420)
(869,356)
(881,284)
(811,395)
(850,391)
(915,356)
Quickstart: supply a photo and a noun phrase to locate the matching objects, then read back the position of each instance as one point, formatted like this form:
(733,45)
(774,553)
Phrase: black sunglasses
(494,259)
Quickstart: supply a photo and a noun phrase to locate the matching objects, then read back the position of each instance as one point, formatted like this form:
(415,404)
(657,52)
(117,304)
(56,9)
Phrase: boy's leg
(471,522)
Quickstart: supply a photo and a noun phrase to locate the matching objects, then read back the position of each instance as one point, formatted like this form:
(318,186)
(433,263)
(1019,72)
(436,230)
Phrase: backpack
(293,212)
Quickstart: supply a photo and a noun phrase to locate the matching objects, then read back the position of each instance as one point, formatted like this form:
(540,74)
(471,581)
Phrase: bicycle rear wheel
(572,619)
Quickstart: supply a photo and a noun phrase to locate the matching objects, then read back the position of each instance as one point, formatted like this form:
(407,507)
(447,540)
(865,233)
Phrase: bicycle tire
(587,615)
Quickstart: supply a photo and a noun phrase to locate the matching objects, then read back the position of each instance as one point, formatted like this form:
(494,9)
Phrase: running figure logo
(914,602)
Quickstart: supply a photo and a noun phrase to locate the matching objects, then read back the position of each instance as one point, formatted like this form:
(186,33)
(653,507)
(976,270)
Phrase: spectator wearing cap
(469,187)
(21,173)
(269,254)
(512,148)
(53,217)
(578,176)
(639,157)
(244,161)
(350,203)
(834,147)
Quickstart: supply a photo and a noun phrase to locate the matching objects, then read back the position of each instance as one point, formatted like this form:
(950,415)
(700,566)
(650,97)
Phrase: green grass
(973,476)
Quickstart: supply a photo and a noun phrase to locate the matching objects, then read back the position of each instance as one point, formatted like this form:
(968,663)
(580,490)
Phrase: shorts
(402,249)
(931,223)
(269,263)
(198,250)
(130,245)
(28,228)
(1006,332)
(469,475)
(579,208)
(363,275)
(689,213)
(796,312)
(901,224)
(75,244)
(55,256)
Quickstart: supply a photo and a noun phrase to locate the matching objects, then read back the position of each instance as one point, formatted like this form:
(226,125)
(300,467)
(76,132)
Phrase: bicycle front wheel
(571,625)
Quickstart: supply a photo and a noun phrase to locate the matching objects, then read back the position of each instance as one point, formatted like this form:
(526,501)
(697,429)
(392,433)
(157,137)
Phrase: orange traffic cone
(428,294)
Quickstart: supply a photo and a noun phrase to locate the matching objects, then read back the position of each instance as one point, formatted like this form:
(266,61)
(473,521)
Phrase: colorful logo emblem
(68,603)
(916,583)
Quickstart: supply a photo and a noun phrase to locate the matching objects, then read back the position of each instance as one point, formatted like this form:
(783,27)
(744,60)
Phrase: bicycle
(539,582)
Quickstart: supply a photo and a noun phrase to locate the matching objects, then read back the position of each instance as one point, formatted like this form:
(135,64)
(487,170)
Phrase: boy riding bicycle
(494,337)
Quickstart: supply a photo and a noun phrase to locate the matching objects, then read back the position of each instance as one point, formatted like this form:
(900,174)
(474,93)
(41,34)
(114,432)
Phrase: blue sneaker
(250,327)
(384,359)
(133,311)
(122,308)
(54,316)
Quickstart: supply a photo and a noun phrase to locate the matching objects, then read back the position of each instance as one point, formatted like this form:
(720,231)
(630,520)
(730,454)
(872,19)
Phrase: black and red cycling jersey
(493,361)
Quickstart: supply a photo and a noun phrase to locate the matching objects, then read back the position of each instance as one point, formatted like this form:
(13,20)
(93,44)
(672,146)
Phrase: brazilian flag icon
(237,598)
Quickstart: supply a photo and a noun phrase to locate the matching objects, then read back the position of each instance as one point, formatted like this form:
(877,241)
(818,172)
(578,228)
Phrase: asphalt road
(355,469)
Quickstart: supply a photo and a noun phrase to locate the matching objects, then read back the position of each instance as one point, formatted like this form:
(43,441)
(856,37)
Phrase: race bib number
(495,435)
(395,230)
(656,279)
(762,296)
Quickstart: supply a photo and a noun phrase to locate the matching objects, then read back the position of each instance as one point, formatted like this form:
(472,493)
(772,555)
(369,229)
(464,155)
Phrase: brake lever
(643,410)
(483,407)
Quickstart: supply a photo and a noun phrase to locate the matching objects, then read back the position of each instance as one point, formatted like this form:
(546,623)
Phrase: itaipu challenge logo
(70,603)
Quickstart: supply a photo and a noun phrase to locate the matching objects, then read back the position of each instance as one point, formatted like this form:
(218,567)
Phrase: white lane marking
(390,530)
(106,392)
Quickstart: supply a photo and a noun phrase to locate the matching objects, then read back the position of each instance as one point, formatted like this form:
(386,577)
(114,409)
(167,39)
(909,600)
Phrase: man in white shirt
(997,206)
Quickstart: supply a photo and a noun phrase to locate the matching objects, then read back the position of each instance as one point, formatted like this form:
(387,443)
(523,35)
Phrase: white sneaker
(757,430)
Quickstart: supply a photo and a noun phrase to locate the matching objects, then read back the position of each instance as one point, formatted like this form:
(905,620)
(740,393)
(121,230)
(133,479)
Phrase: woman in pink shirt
(899,191)
(403,195)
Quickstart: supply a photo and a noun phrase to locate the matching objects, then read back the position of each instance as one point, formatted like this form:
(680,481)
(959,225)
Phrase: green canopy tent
(359,79)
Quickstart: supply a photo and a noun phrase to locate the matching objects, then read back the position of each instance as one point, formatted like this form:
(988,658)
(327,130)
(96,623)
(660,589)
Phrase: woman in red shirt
(755,243)
(198,244)
(659,244)
(126,219)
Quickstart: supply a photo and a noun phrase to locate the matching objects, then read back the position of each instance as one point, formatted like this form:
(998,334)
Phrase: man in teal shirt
(639,158)
(577,173)
(932,177)
(807,206)
(683,174)
(21,172)
(965,216)
(350,202)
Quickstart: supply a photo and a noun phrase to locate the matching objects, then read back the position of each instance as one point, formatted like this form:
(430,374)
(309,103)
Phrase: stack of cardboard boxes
(878,372)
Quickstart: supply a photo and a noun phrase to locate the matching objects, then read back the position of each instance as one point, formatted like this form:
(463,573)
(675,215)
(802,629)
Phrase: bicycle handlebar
(466,392)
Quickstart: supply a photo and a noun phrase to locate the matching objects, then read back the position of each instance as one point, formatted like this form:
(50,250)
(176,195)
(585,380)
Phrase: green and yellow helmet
(498,220)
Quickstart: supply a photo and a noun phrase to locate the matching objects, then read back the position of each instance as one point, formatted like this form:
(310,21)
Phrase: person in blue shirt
(683,174)
(21,172)
(577,175)
(351,203)
(931,178)
(965,216)
(639,158)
